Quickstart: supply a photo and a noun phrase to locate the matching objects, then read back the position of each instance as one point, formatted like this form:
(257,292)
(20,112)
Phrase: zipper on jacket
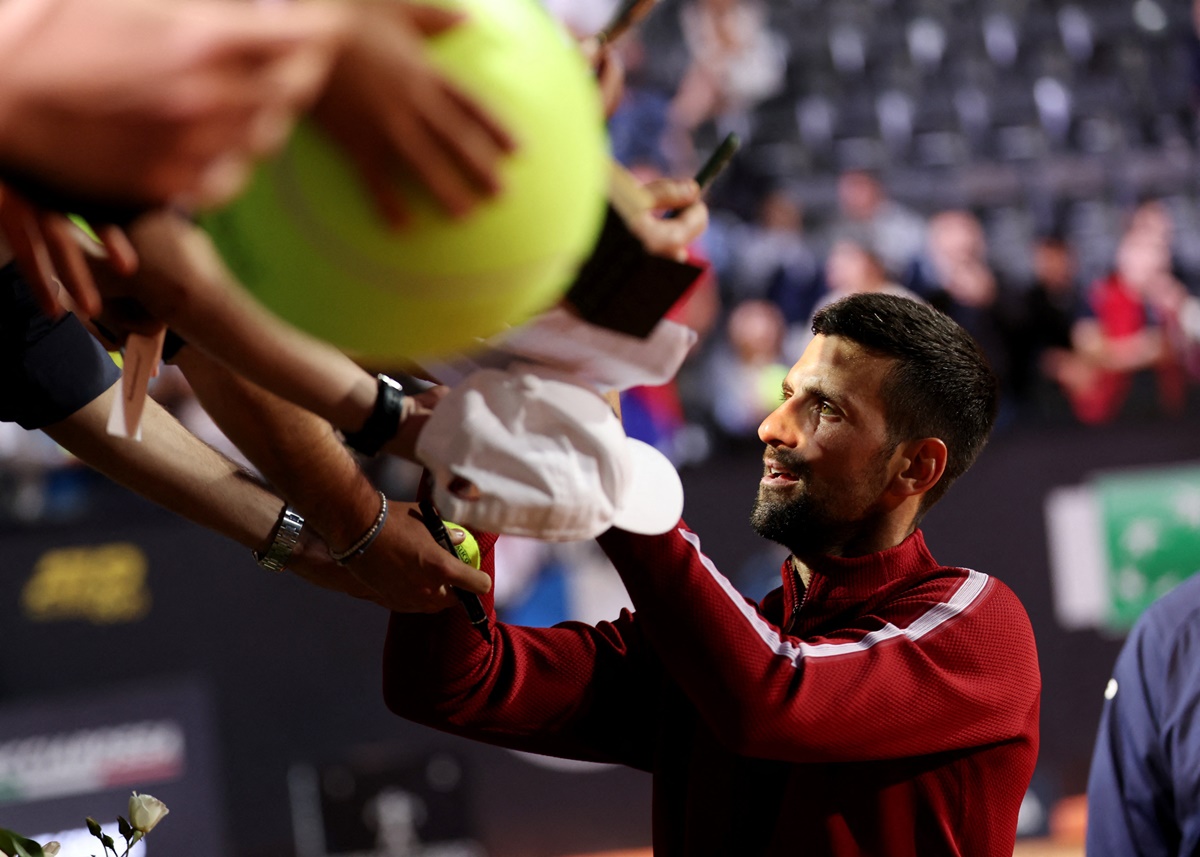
(797,603)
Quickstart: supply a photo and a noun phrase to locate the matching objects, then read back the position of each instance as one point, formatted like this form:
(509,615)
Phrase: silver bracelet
(287,536)
(360,546)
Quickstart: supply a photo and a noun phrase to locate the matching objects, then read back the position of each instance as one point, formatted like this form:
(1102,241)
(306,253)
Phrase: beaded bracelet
(360,546)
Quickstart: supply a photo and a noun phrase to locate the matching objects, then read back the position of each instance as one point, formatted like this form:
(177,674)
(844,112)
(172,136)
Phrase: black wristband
(384,421)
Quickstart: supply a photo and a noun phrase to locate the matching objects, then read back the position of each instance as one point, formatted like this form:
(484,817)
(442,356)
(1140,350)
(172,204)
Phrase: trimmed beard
(799,523)
(805,523)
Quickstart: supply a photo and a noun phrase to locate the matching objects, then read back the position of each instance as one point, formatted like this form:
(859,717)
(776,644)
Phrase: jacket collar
(858,578)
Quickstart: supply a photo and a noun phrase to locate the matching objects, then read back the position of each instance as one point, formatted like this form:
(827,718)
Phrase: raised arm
(173,468)
(574,690)
(182,282)
(299,453)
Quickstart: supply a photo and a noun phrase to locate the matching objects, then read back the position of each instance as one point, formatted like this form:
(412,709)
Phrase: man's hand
(404,569)
(52,253)
(670,237)
(144,102)
(398,117)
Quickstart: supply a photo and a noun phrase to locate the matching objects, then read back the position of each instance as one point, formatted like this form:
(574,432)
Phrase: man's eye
(825,409)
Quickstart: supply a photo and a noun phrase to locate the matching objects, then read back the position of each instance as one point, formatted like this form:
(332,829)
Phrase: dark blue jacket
(1144,788)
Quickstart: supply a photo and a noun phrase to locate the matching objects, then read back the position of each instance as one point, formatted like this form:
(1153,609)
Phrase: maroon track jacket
(890,709)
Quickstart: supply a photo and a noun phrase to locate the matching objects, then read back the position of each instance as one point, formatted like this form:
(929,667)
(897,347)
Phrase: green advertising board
(1150,522)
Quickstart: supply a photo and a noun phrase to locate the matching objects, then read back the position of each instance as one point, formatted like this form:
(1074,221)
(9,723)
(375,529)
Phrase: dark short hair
(941,385)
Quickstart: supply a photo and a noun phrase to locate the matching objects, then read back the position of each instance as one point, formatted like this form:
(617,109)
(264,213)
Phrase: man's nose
(777,429)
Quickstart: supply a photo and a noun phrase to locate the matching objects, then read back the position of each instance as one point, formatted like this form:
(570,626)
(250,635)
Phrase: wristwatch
(287,536)
(384,421)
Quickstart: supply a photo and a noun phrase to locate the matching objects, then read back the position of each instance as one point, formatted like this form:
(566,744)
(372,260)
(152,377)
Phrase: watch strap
(384,421)
(283,543)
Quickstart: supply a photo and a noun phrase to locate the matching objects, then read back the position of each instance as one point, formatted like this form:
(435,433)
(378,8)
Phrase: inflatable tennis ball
(305,239)
(468,551)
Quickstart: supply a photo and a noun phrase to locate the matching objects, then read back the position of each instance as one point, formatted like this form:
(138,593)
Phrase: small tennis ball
(468,551)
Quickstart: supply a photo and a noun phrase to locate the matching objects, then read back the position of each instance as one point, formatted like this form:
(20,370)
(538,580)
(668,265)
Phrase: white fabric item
(549,458)
(594,355)
(597,355)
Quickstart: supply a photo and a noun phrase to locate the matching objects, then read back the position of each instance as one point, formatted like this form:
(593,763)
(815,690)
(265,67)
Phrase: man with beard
(876,703)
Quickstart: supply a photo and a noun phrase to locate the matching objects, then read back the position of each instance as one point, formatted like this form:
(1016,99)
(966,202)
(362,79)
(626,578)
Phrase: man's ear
(924,463)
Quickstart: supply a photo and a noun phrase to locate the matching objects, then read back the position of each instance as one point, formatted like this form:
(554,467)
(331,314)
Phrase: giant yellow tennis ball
(468,551)
(306,241)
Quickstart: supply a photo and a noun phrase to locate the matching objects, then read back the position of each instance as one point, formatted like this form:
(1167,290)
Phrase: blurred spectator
(638,128)
(771,258)
(954,261)
(747,369)
(1135,327)
(953,274)
(867,216)
(1040,329)
(1154,217)
(851,268)
(1151,218)
(736,62)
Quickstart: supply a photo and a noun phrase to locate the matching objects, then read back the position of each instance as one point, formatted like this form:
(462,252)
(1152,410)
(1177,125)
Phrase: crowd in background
(1080,326)
(1076,273)
(1122,344)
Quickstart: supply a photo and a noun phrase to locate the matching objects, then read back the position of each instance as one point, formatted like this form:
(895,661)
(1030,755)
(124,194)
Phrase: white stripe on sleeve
(935,616)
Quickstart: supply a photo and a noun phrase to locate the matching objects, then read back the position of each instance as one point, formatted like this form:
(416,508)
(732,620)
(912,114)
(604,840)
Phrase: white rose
(145,812)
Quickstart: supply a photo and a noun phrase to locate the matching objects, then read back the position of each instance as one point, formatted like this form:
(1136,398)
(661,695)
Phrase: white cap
(548,458)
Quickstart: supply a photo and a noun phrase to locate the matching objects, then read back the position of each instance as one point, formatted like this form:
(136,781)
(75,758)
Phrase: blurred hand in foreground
(670,236)
(138,103)
(398,117)
(52,253)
